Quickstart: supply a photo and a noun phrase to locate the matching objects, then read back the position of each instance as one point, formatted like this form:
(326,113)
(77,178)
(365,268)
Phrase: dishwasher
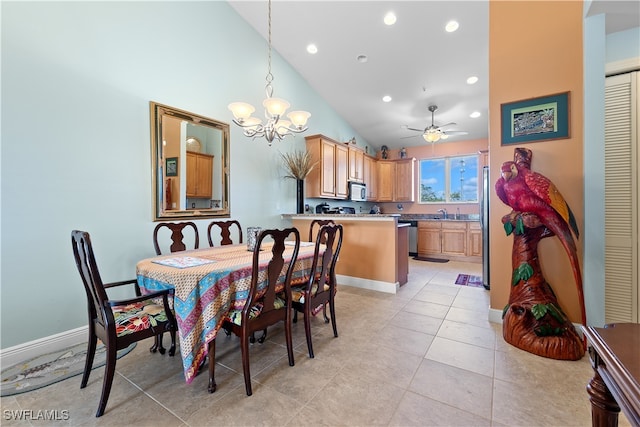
(413,235)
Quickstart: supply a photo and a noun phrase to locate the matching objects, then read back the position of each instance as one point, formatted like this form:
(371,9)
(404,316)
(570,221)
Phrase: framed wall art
(535,119)
(172,166)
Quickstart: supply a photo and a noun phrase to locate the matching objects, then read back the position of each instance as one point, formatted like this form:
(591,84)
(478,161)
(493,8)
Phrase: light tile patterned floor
(426,356)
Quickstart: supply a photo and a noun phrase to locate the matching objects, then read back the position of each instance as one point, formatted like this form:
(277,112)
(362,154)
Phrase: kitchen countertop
(438,217)
(400,217)
(357,216)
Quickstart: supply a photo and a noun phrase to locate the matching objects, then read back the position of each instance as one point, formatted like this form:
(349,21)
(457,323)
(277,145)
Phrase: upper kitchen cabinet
(356,164)
(371,177)
(386,177)
(396,180)
(329,178)
(404,180)
(199,172)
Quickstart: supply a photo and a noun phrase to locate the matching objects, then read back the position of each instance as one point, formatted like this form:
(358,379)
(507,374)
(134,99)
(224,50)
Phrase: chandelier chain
(269,87)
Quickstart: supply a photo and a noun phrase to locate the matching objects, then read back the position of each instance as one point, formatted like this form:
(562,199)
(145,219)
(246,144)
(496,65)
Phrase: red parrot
(527,191)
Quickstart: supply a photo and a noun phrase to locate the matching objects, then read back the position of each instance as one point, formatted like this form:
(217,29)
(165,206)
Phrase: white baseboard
(495,316)
(16,354)
(374,285)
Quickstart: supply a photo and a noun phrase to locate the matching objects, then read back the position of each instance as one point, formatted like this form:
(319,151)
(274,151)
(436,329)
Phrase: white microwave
(357,192)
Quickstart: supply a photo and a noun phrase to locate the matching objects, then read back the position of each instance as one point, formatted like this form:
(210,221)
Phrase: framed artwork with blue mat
(51,368)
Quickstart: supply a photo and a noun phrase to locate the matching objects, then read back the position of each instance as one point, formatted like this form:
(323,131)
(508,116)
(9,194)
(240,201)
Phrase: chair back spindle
(177,236)
(225,232)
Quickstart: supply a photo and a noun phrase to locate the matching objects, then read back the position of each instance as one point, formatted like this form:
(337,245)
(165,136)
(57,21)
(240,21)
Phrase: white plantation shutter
(621,198)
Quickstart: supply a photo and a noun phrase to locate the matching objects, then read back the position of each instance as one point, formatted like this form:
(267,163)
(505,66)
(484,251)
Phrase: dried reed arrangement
(298,164)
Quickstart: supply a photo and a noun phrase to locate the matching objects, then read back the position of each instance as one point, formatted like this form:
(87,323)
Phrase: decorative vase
(300,196)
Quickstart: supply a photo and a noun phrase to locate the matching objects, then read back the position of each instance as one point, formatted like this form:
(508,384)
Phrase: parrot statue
(526,191)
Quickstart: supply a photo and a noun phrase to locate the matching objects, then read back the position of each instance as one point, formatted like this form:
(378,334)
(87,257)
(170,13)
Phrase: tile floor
(426,356)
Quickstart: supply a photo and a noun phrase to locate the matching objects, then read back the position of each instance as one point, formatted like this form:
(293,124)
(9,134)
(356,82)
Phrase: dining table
(207,284)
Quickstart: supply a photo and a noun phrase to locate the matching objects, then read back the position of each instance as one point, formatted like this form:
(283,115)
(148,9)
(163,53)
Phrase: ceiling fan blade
(414,129)
(412,136)
(448,124)
(455,132)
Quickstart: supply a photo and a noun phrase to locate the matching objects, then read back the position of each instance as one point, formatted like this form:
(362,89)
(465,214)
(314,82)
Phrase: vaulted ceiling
(415,61)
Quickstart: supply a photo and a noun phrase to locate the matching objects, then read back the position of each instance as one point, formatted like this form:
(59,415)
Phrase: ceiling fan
(435,133)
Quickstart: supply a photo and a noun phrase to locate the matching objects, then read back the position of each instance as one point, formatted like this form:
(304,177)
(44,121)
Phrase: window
(449,180)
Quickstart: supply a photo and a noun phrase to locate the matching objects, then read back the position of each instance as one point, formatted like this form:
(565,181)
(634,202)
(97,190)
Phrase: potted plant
(298,165)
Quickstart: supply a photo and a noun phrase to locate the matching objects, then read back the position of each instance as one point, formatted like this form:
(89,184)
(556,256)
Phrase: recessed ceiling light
(451,26)
(362,58)
(312,48)
(475,114)
(386,98)
(472,80)
(390,18)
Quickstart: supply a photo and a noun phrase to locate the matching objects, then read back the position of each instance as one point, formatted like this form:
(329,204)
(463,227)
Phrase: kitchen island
(374,251)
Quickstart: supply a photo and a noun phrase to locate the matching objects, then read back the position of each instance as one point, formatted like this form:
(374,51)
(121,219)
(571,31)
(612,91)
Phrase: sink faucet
(444,212)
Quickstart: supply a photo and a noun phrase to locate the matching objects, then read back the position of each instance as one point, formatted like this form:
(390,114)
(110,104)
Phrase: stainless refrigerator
(484,223)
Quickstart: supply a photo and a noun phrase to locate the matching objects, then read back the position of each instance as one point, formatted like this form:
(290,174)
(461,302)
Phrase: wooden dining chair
(320,289)
(117,323)
(268,301)
(225,232)
(319,223)
(177,236)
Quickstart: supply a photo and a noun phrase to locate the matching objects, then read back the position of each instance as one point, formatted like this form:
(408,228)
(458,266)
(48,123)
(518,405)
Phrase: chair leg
(88,364)
(295,316)
(157,344)
(307,330)
(324,313)
(172,349)
(244,347)
(212,366)
(109,371)
(287,334)
(332,311)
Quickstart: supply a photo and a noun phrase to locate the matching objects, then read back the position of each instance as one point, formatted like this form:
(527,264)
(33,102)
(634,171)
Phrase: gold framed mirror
(188,182)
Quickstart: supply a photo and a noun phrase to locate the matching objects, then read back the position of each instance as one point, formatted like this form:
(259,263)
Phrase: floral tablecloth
(208,283)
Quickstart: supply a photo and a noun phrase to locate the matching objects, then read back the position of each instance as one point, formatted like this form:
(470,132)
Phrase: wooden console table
(615,357)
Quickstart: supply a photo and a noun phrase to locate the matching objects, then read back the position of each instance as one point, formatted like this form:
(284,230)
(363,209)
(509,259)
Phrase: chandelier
(434,134)
(275,127)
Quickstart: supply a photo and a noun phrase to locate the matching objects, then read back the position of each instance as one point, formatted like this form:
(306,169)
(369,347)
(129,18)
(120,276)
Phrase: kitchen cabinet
(386,178)
(371,177)
(405,180)
(402,258)
(429,240)
(356,164)
(460,240)
(474,239)
(396,181)
(199,173)
(454,238)
(329,178)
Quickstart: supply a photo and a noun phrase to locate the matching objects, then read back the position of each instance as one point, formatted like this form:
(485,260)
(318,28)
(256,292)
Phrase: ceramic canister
(252,237)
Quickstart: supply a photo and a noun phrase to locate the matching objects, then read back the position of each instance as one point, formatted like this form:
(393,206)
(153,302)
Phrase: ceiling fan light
(444,136)
(431,136)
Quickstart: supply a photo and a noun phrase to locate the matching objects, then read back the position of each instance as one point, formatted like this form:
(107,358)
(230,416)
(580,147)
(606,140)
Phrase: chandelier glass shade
(275,126)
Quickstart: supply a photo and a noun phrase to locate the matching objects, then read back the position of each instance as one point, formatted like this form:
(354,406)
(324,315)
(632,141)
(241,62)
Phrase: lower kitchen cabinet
(474,239)
(429,240)
(454,238)
(460,240)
